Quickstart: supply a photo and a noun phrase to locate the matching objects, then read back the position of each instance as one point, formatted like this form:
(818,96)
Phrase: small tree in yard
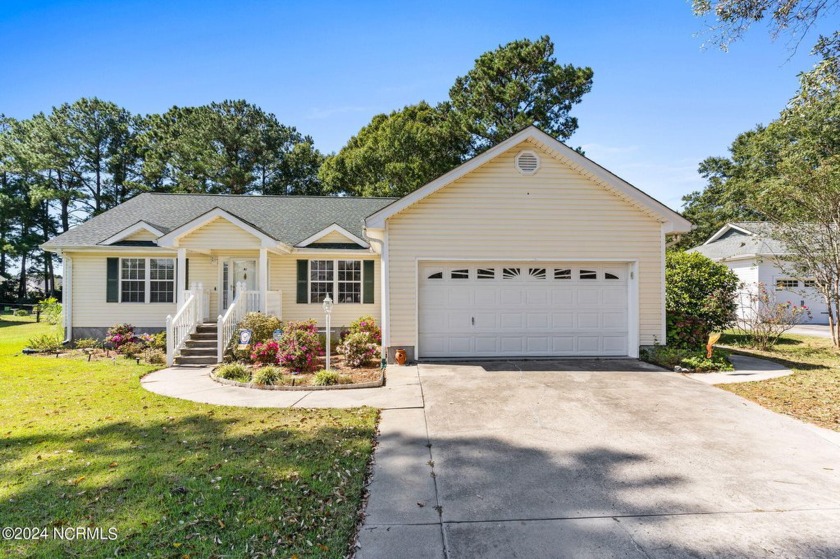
(699,298)
(764,320)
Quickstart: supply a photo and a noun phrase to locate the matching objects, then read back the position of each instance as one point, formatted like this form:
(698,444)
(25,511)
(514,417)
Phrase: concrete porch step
(201,343)
(191,351)
(196,360)
(204,336)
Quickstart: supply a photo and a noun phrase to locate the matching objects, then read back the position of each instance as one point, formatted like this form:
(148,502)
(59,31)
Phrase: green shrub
(699,298)
(326,378)
(156,357)
(155,341)
(46,343)
(50,310)
(234,371)
(262,326)
(696,361)
(87,343)
(130,349)
(702,364)
(268,376)
(21,312)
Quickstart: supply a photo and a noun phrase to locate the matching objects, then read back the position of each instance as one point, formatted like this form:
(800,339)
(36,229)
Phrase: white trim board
(726,228)
(334,228)
(673,222)
(130,230)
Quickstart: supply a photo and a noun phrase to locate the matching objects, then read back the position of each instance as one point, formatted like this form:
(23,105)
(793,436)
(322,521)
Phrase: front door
(235,271)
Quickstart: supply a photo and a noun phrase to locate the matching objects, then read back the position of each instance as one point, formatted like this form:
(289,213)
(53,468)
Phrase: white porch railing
(228,322)
(180,326)
(253,301)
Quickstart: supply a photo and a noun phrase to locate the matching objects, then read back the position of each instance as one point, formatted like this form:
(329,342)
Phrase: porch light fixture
(328,305)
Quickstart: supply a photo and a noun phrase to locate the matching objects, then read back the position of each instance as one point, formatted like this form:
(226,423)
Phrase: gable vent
(527,162)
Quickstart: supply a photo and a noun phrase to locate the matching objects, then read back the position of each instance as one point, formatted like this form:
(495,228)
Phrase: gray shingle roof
(734,243)
(289,219)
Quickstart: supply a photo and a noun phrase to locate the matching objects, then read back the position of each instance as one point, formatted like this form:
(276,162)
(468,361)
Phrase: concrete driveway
(599,459)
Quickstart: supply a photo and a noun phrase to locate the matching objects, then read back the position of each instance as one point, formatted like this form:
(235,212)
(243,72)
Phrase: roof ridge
(256,195)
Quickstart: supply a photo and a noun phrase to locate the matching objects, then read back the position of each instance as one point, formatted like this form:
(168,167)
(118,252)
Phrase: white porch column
(180,277)
(263,280)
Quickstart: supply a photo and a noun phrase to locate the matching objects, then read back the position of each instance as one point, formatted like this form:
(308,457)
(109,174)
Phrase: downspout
(383,268)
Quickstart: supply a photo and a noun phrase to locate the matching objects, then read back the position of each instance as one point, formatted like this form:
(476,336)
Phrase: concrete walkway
(401,390)
(747,369)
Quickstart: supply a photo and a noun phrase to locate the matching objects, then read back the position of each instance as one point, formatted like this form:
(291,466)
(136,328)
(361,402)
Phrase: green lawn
(83,445)
(811,393)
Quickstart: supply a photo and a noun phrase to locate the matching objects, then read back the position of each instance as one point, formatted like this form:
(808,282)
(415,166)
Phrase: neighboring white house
(749,250)
(528,249)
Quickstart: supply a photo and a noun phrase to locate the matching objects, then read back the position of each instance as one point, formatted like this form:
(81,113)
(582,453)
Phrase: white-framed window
(147,280)
(783,284)
(340,279)
(809,283)
(349,281)
(161,280)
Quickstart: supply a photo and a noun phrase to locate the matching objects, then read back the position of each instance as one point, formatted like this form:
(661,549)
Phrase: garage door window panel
(460,274)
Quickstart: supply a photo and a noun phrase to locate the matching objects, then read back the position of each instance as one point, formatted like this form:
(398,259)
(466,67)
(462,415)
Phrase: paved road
(595,459)
(811,330)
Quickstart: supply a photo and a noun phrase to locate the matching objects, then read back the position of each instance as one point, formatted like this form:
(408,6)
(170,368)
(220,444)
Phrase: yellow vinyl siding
(205,271)
(141,235)
(495,213)
(90,309)
(283,276)
(90,276)
(219,234)
(334,237)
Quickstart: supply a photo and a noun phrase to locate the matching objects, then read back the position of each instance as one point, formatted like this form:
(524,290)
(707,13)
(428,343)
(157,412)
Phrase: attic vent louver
(527,162)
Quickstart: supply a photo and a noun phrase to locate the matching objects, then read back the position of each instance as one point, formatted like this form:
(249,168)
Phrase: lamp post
(328,305)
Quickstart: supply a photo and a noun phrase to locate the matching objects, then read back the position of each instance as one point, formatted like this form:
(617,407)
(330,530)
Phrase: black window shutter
(302,281)
(368,287)
(186,275)
(113,285)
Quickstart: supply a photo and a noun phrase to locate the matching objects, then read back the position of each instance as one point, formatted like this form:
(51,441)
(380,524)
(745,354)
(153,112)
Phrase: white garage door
(499,309)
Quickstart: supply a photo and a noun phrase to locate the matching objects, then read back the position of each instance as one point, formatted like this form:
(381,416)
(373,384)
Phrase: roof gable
(174,237)
(333,234)
(140,231)
(672,221)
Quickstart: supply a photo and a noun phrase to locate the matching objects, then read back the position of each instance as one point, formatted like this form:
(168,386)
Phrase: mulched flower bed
(365,377)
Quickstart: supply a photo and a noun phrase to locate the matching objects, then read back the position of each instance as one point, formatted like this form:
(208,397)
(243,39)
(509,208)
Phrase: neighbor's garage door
(494,309)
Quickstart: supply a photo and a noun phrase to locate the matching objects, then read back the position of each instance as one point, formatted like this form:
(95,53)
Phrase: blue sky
(660,102)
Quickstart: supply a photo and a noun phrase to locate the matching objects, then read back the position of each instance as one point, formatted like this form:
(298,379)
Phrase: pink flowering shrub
(265,353)
(360,344)
(120,334)
(299,347)
(366,325)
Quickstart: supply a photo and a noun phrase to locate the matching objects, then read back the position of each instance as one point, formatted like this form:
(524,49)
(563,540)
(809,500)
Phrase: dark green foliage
(516,85)
(268,376)
(46,343)
(397,153)
(693,360)
(234,371)
(699,298)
